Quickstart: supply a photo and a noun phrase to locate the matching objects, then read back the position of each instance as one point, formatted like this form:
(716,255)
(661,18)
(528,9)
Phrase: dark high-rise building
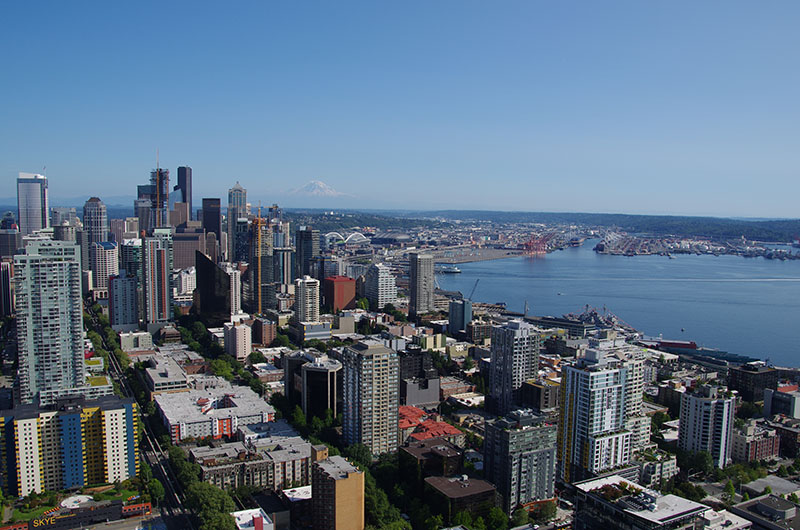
(212,222)
(283,265)
(520,458)
(157,266)
(420,283)
(152,202)
(307,244)
(260,282)
(416,362)
(9,221)
(237,209)
(184,187)
(10,242)
(212,299)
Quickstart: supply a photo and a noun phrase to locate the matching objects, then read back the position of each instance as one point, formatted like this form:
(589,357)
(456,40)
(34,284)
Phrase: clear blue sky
(643,107)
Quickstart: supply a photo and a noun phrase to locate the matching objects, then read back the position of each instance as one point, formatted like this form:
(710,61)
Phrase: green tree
(464,518)
(218,521)
(520,517)
(782,472)
(281,340)
(748,410)
(745,496)
(362,303)
(479,524)
(497,519)
(359,453)
(546,512)
(208,502)
(298,417)
(256,358)
(729,490)
(434,522)
(222,369)
(156,490)
(145,473)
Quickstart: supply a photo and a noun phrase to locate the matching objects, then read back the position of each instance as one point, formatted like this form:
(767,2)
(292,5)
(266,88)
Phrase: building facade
(49,309)
(95,220)
(157,276)
(306,299)
(71,444)
(104,258)
(123,302)
(515,359)
(460,315)
(380,286)
(184,188)
(307,248)
(32,203)
(420,283)
(338,500)
(370,399)
(706,424)
(520,458)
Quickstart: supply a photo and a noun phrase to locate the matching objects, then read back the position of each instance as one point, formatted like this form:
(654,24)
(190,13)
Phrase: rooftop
(244,518)
(336,467)
(202,405)
(456,487)
(640,502)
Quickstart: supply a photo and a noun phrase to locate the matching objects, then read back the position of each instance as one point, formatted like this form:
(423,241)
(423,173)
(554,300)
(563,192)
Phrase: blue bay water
(749,306)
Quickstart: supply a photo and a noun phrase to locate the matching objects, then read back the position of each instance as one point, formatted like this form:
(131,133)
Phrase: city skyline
(679,109)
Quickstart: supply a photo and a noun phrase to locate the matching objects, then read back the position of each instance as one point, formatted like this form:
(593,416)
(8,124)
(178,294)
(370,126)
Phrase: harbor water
(748,306)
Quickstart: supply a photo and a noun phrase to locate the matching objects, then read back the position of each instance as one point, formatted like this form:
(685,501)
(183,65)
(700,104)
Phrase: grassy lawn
(123,495)
(35,513)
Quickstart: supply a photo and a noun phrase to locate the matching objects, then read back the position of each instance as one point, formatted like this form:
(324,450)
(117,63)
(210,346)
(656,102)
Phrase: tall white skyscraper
(47,282)
(706,423)
(32,203)
(95,221)
(515,359)
(236,289)
(420,283)
(306,299)
(370,396)
(104,258)
(380,286)
(592,435)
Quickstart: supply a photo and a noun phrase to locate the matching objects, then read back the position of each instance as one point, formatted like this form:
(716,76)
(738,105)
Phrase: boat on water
(448,269)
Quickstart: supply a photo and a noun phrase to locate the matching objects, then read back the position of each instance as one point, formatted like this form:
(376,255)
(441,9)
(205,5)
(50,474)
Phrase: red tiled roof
(433,429)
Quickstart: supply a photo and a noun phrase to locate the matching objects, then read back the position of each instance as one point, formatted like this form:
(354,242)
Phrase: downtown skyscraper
(95,221)
(237,208)
(32,203)
(306,242)
(47,282)
(157,276)
(420,283)
(184,188)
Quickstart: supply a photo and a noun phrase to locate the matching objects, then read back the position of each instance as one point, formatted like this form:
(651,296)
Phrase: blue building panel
(71,449)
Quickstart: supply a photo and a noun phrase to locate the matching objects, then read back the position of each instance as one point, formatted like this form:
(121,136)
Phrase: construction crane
(472,292)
